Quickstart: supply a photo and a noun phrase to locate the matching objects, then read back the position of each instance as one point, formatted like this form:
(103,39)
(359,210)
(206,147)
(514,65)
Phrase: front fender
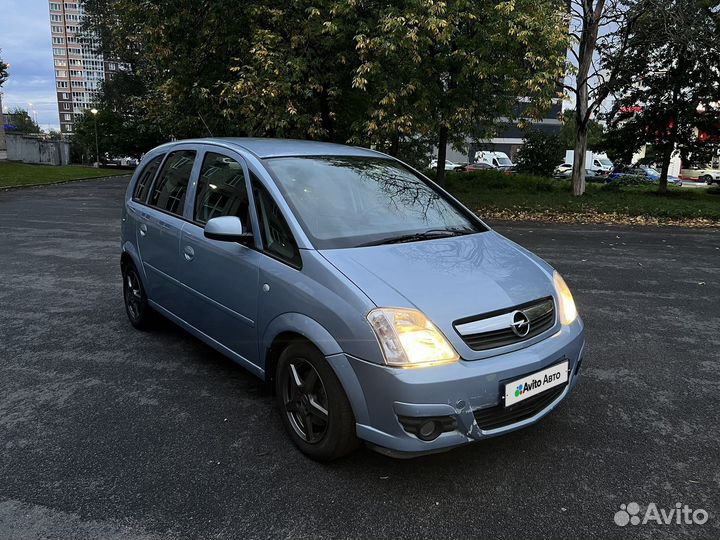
(303,325)
(314,332)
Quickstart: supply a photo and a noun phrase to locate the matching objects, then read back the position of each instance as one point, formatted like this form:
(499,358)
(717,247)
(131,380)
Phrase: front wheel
(313,405)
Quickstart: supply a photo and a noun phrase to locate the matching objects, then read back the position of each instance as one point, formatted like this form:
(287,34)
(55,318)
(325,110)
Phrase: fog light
(427,430)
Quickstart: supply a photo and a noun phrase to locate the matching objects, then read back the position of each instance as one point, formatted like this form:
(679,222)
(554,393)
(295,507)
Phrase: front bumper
(380,395)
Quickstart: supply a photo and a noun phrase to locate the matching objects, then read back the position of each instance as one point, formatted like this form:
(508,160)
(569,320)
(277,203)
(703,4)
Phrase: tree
(3,72)
(540,153)
(124,126)
(599,31)
(19,121)
(667,91)
(450,70)
(568,129)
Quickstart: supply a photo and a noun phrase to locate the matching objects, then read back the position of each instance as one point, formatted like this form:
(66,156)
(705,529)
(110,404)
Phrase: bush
(497,180)
(629,180)
(540,153)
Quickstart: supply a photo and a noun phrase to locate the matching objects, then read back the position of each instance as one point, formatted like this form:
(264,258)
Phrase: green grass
(14,174)
(490,190)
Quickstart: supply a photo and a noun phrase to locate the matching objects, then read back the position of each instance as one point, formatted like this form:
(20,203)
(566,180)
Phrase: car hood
(447,278)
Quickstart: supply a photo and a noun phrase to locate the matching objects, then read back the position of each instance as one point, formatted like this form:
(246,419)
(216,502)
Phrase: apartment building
(79,70)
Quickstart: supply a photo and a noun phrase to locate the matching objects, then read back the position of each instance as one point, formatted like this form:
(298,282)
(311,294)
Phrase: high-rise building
(79,70)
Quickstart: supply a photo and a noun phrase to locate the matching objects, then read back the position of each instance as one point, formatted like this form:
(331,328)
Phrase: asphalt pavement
(107,432)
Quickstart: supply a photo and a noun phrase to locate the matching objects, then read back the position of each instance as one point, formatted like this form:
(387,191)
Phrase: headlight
(568,311)
(409,339)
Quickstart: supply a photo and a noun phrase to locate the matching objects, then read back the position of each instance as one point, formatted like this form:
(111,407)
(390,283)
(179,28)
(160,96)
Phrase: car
(449,165)
(497,160)
(704,174)
(378,307)
(650,174)
(473,167)
(591,175)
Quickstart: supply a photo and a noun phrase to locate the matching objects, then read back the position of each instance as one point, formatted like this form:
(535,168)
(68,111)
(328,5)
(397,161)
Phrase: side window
(171,185)
(221,191)
(277,238)
(145,179)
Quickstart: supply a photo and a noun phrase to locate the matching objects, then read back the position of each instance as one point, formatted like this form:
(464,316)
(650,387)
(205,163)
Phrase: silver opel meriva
(381,308)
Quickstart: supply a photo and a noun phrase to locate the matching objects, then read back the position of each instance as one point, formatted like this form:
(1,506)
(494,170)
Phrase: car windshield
(650,170)
(352,201)
(605,162)
(504,161)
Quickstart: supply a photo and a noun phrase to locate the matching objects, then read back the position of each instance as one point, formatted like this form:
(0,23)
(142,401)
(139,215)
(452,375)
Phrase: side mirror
(227,229)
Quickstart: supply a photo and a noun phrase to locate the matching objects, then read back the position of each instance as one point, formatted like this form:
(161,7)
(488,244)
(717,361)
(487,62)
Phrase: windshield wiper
(416,237)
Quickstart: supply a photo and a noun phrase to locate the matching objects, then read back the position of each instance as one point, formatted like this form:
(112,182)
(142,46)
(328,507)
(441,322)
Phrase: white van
(497,160)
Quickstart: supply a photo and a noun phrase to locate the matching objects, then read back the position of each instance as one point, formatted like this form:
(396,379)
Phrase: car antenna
(204,124)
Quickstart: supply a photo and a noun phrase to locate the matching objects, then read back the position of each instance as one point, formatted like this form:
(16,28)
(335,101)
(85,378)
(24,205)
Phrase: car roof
(268,148)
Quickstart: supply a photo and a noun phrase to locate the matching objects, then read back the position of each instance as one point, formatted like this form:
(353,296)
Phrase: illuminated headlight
(409,339)
(568,311)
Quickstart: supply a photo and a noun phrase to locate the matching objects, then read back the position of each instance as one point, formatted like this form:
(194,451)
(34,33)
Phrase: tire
(305,385)
(139,312)
(708,179)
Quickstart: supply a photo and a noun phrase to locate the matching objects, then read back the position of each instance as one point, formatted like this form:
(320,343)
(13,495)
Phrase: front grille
(540,313)
(499,416)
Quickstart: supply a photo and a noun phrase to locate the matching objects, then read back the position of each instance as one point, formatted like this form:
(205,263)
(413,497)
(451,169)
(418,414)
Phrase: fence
(30,149)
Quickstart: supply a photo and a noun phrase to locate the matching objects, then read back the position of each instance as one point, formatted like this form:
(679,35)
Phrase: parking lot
(106,432)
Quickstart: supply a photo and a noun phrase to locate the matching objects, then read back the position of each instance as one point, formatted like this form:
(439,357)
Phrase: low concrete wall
(29,149)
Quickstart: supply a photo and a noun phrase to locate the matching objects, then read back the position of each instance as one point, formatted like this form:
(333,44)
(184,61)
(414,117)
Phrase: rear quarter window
(144,181)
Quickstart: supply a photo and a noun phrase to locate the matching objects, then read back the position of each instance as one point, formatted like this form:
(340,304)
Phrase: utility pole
(97,147)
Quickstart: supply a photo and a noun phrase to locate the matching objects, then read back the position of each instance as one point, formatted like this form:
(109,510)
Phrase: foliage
(568,127)
(670,74)
(124,126)
(449,70)
(393,76)
(20,121)
(625,181)
(540,153)
(3,72)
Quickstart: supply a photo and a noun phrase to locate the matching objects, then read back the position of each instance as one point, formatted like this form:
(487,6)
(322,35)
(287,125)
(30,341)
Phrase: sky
(25,44)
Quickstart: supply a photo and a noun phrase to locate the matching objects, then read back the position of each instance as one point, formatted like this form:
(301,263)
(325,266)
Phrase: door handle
(143,229)
(189,253)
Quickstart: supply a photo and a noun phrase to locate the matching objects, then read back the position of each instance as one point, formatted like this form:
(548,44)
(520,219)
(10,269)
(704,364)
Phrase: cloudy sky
(26,46)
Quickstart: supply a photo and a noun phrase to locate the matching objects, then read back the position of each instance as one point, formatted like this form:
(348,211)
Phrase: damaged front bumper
(390,404)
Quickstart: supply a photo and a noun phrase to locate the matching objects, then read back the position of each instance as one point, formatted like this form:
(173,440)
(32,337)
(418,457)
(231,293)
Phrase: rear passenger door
(222,276)
(160,224)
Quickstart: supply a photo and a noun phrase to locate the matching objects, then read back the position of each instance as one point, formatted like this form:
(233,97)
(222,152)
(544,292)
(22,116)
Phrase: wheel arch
(130,255)
(290,327)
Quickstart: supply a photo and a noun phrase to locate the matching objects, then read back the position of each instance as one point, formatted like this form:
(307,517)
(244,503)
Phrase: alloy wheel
(133,294)
(306,402)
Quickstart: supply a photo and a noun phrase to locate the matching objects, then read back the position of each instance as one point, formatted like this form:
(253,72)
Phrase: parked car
(449,165)
(650,174)
(595,161)
(591,175)
(472,167)
(708,175)
(379,307)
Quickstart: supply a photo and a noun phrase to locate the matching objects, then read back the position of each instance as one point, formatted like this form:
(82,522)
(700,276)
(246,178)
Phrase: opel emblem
(520,324)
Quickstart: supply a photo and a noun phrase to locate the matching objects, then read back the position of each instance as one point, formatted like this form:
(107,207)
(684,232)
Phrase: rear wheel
(139,313)
(708,179)
(313,405)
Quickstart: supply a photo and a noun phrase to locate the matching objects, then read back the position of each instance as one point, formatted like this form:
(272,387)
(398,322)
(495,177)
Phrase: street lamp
(97,148)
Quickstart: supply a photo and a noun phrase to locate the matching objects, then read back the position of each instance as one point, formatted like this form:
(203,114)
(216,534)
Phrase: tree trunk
(578,175)
(666,156)
(394,145)
(442,154)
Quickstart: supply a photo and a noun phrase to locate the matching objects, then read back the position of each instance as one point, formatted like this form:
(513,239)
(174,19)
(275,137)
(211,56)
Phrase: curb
(60,182)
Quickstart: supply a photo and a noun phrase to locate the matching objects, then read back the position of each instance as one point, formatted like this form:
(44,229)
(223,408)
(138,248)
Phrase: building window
(54,6)
(58,40)
(66,106)
(60,73)
(58,52)
(62,84)
(56,18)
(56,29)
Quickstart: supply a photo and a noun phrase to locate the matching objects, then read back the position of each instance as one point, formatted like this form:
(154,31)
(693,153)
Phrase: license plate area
(535,383)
